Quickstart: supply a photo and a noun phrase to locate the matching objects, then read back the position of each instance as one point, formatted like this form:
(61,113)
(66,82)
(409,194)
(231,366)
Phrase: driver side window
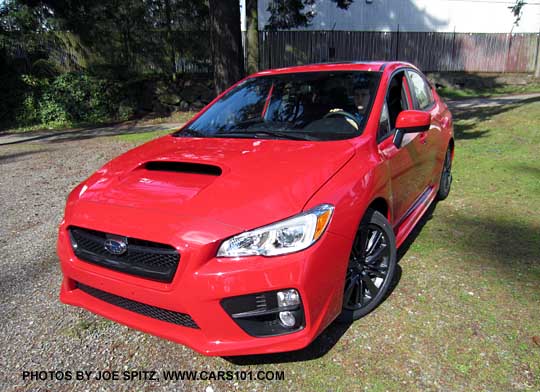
(384,124)
(396,102)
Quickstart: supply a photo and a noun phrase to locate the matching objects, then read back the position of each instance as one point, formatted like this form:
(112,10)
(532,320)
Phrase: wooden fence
(430,51)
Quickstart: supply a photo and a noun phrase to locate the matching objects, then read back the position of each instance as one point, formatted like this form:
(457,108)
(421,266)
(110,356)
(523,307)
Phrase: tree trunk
(170,40)
(226,42)
(252,37)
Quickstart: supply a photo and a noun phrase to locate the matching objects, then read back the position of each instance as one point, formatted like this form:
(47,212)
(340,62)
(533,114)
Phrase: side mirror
(411,121)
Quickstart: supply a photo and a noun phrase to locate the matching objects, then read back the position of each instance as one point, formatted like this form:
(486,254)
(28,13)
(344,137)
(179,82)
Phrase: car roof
(370,66)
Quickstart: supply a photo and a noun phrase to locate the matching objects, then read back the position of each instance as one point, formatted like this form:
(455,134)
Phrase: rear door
(423,100)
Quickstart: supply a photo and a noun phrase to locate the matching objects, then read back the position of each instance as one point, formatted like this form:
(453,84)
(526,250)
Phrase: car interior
(396,98)
(396,102)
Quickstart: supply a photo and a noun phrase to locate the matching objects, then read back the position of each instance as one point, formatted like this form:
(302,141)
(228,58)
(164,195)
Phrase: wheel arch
(381,205)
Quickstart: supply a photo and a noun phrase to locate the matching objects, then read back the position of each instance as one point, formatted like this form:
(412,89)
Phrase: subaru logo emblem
(116,247)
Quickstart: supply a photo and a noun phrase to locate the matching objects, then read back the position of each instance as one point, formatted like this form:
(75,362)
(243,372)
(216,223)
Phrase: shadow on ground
(475,114)
(14,156)
(464,81)
(11,283)
(512,246)
(405,246)
(84,133)
(530,170)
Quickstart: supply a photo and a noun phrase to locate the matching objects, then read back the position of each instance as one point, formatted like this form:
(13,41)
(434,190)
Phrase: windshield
(307,106)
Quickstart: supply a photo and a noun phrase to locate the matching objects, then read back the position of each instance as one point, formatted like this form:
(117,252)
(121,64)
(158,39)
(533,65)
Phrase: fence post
(397,43)
(537,62)
(452,66)
(508,53)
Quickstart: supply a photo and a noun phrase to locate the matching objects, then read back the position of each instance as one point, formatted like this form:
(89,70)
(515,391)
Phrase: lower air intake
(154,312)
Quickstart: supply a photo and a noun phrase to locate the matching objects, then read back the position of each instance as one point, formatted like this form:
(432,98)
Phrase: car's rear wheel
(446,176)
(371,267)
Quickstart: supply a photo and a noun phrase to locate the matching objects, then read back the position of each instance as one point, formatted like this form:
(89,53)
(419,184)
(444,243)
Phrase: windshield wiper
(242,133)
(285,135)
(257,134)
(190,132)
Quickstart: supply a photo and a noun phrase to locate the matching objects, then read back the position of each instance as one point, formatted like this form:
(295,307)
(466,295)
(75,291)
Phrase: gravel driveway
(37,332)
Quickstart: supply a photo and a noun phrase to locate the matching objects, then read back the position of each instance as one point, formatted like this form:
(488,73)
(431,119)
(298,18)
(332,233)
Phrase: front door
(405,163)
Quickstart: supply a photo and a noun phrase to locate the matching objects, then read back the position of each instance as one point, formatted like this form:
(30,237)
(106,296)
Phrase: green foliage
(70,98)
(28,113)
(286,14)
(142,36)
(44,68)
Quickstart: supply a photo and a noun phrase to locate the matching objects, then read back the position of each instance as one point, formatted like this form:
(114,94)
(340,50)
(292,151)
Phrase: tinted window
(384,124)
(396,98)
(310,105)
(421,90)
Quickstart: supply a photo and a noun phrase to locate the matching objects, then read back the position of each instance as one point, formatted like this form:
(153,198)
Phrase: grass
(177,117)
(143,136)
(466,93)
(464,315)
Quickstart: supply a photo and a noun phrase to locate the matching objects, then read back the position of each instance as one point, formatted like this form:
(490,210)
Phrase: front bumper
(202,281)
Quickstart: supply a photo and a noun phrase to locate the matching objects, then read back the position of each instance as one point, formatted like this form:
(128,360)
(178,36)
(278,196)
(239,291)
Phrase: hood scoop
(183,167)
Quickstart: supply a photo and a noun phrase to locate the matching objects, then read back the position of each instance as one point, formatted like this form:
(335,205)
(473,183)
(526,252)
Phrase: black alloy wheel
(446,176)
(371,267)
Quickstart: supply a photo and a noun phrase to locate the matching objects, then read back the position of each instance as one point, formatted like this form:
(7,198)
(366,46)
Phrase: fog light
(287,319)
(270,313)
(288,298)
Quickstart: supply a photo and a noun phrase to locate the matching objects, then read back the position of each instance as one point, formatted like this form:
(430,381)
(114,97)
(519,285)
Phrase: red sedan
(274,211)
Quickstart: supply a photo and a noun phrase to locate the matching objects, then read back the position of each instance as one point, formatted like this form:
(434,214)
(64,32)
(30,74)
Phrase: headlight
(290,235)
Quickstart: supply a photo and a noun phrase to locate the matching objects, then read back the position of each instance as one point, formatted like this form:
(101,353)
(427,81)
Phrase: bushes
(42,99)
(68,99)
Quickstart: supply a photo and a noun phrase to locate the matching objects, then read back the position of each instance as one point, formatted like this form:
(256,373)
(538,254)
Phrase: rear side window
(421,91)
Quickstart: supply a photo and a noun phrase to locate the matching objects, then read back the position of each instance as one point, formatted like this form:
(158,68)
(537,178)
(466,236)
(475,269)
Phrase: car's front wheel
(371,267)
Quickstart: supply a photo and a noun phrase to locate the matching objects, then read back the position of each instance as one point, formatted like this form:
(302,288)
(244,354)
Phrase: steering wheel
(345,114)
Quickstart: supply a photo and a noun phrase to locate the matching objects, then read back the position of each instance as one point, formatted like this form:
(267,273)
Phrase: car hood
(241,182)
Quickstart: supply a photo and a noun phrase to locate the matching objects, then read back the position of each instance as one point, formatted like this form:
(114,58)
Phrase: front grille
(138,307)
(142,258)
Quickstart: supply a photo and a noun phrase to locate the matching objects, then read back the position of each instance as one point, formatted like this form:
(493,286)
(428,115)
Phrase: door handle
(445,121)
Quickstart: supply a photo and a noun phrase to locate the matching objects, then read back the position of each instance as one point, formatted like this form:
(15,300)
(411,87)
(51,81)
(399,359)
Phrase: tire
(371,268)
(446,176)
